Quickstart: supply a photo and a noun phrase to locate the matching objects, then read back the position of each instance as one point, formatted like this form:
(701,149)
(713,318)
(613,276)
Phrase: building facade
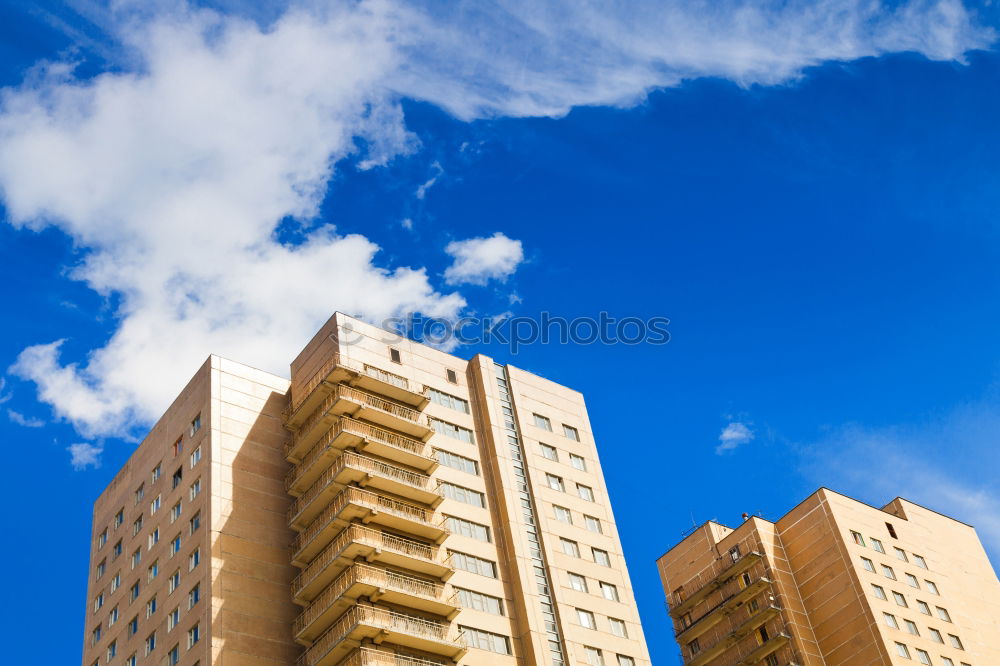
(390,505)
(834,582)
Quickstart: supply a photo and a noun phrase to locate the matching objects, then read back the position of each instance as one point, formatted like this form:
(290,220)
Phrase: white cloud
(8,396)
(83,456)
(479,260)
(22,420)
(429,183)
(733,435)
(172,172)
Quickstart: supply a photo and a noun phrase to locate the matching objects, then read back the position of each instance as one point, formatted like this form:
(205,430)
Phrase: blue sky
(808,192)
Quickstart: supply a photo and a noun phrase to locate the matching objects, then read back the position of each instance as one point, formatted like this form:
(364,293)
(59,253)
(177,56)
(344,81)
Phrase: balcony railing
(357,396)
(372,657)
(301,394)
(679,606)
(358,429)
(381,578)
(352,460)
(369,537)
(380,618)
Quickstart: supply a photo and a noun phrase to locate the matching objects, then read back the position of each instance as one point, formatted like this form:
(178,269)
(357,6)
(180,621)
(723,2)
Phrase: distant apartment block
(834,582)
(391,505)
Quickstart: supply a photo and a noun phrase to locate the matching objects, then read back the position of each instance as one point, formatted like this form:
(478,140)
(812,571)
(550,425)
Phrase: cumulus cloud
(733,435)
(85,455)
(172,171)
(479,260)
(25,421)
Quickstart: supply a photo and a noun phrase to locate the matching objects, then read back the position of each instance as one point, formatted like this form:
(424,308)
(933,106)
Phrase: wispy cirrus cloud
(172,171)
(25,421)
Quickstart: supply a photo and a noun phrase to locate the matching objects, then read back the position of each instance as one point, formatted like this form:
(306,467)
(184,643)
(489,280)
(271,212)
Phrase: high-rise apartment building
(391,505)
(835,582)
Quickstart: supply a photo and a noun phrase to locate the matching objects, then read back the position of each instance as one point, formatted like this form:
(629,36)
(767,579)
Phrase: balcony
(351,468)
(755,621)
(347,433)
(680,607)
(362,580)
(372,657)
(359,542)
(381,624)
(355,403)
(340,369)
(770,646)
(724,609)
(353,504)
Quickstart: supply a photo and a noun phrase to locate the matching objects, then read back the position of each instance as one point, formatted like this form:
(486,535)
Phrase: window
(95,636)
(175,511)
(900,599)
(888,572)
(137,526)
(625,660)
(173,618)
(119,518)
(133,626)
(924,608)
(116,582)
(473,564)
(452,376)
(195,489)
(868,564)
(178,446)
(877,545)
(694,647)
(195,425)
(174,581)
(770,660)
(936,635)
(486,640)
(195,522)
(116,550)
(948,662)
(618,627)
(890,620)
(175,480)
(858,539)
(153,538)
(943,614)
(467,528)
(102,538)
(554,482)
(112,650)
(465,495)
(480,602)
(131,661)
(879,591)
(99,602)
(153,571)
(911,627)
(578,582)
(578,462)
(154,506)
(175,545)
(586,492)
(601,557)
(542,422)
(901,649)
(150,643)
(157,473)
(195,457)
(194,596)
(609,591)
(136,557)
(919,560)
(563,514)
(395,356)
(594,656)
(956,642)
(931,587)
(571,548)
(593,524)
(900,554)
(134,591)
(174,656)
(194,635)
(139,492)
(892,530)
(455,461)
(151,606)
(549,452)
(447,400)
(586,618)
(113,616)
(194,559)
(101,568)
(923,657)
(734,553)
(451,430)
(571,432)
(912,581)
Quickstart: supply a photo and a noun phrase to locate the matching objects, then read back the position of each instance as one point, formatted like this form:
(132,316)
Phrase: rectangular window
(117,549)
(136,557)
(178,446)
(943,614)
(154,506)
(447,400)
(900,600)
(195,522)
(175,512)
(936,635)
(578,462)
(912,581)
(100,569)
(948,662)
(113,616)
(452,376)
(467,528)
(888,572)
(173,618)
(900,554)
(473,564)
(585,492)
(924,608)
(156,473)
(451,430)
(931,587)
(549,452)
(134,592)
(571,432)
(395,356)
(194,559)
(174,581)
(151,606)
(877,545)
(956,642)
(618,627)
(542,422)
(131,661)
(578,582)
(119,518)
(112,650)
(480,602)
(194,635)
(593,524)
(176,479)
(563,515)
(455,461)
(175,545)
(554,482)
(465,495)
(902,651)
(137,526)
(150,643)
(485,640)
(891,530)
(174,656)
(595,657)
(139,492)
(116,582)
(868,564)
(858,539)
(609,591)
(879,591)
(102,538)
(920,561)
(153,538)
(153,571)
(625,661)
(95,636)
(923,657)
(571,548)
(195,425)
(911,627)
(194,596)
(133,626)
(99,602)
(195,489)
(601,557)
(195,457)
